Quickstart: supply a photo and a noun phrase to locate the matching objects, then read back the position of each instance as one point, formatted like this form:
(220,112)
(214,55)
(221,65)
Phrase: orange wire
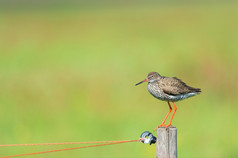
(60,143)
(117,142)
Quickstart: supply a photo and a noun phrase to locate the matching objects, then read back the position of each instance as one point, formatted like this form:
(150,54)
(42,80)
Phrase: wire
(113,142)
(60,143)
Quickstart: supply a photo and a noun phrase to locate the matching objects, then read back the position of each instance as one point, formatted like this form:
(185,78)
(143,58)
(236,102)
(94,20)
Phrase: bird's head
(151,77)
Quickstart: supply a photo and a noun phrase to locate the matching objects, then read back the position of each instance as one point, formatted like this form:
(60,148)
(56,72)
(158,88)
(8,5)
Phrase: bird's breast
(156,91)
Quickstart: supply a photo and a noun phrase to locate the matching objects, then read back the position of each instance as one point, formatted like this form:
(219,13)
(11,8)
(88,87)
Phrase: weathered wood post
(166,144)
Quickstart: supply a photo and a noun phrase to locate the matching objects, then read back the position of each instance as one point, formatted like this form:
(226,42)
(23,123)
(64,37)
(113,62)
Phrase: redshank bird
(169,89)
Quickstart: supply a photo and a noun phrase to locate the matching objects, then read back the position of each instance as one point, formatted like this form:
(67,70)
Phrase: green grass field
(68,75)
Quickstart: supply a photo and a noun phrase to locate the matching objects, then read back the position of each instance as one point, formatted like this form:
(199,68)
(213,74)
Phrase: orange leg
(162,124)
(175,108)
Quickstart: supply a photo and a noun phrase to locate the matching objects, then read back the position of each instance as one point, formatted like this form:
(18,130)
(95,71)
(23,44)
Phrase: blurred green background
(68,70)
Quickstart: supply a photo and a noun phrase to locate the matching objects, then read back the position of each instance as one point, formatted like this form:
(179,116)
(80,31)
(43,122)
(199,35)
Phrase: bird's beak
(146,80)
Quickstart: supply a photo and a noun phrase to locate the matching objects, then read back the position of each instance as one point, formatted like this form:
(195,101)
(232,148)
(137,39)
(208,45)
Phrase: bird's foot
(162,125)
(168,125)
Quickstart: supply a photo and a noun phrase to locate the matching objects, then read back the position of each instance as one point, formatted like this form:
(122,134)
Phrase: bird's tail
(197,90)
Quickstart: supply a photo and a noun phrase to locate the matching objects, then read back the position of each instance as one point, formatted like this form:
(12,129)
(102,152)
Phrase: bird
(169,89)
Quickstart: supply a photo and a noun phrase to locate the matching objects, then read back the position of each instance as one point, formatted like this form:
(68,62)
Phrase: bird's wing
(174,86)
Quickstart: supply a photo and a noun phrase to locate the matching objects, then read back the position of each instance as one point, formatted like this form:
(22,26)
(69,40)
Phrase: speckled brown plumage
(174,86)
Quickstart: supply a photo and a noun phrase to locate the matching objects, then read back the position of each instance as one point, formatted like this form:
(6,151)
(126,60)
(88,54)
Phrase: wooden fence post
(166,144)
